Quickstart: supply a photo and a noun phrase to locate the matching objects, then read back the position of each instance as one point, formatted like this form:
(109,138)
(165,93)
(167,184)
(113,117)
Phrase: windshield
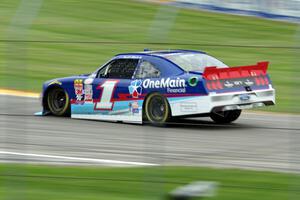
(194,61)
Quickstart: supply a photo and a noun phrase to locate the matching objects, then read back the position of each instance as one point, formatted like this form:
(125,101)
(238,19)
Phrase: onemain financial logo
(164,83)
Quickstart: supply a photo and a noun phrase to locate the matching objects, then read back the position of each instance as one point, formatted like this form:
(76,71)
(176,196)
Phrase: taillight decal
(262,80)
(219,85)
(237,82)
(213,85)
(257,81)
(208,86)
(266,80)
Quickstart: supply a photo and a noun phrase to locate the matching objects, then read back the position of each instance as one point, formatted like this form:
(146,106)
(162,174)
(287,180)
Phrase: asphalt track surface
(255,141)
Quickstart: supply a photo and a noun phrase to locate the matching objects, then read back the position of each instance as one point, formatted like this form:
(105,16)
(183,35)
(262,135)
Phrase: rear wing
(233,77)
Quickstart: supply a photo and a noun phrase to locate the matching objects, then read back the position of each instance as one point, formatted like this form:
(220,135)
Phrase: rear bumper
(242,100)
(221,102)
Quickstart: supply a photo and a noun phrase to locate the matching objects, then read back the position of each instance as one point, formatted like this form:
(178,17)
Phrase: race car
(156,86)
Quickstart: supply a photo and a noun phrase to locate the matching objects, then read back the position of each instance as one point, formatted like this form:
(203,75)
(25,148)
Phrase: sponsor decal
(176,90)
(130,57)
(236,83)
(55,82)
(188,107)
(134,107)
(248,82)
(135,88)
(193,81)
(245,97)
(228,84)
(88,92)
(78,87)
(176,85)
(164,83)
(88,81)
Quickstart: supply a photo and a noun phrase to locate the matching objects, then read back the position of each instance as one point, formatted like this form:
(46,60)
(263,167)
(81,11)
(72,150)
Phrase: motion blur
(46,157)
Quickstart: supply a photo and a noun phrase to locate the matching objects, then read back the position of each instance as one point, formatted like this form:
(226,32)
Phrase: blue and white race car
(156,86)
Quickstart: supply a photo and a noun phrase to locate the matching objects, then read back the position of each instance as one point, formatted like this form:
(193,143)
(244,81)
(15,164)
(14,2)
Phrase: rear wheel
(157,109)
(226,116)
(58,102)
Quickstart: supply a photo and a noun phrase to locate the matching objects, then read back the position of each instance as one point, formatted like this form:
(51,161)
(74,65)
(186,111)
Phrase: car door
(111,85)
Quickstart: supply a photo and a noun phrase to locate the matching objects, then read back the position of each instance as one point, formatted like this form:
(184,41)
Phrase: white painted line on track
(91,160)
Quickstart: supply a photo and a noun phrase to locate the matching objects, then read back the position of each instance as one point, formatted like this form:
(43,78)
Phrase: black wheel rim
(157,108)
(58,101)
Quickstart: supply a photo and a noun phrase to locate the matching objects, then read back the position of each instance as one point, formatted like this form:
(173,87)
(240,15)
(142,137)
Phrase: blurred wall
(288,10)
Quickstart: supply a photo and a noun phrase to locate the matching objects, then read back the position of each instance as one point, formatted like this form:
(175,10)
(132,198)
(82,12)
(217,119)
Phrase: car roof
(160,53)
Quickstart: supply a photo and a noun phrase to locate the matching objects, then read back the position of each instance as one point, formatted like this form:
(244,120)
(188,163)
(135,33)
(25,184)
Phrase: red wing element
(237,77)
(214,73)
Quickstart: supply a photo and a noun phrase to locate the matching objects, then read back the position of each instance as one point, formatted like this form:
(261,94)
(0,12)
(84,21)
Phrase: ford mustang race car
(156,86)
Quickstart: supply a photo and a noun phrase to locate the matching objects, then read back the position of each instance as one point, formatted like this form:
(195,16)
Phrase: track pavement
(255,141)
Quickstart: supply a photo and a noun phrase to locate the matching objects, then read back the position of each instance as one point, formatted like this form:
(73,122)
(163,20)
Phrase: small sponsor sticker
(188,107)
(88,81)
(134,107)
(228,84)
(249,83)
(176,90)
(193,81)
(78,87)
(245,97)
(88,92)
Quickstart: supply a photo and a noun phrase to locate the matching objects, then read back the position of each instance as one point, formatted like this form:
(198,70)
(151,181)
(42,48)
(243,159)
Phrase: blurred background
(46,39)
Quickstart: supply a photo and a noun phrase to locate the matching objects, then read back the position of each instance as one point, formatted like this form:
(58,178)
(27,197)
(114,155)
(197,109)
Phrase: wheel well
(146,97)
(45,96)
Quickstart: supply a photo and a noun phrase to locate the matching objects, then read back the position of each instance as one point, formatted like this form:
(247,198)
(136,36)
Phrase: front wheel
(157,109)
(225,117)
(58,102)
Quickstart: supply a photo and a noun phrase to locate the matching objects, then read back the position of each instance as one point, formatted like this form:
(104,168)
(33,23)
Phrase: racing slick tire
(225,117)
(157,109)
(58,102)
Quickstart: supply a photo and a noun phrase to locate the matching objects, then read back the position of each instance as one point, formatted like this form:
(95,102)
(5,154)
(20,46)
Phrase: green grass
(27,65)
(87,183)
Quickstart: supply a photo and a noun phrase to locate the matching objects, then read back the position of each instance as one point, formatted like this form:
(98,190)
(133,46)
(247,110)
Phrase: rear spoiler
(214,73)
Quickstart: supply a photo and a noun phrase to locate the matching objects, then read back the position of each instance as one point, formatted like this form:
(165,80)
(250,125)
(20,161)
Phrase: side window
(147,70)
(121,69)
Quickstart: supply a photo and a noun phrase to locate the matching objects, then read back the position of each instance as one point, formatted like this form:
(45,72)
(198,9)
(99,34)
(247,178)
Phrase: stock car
(157,86)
